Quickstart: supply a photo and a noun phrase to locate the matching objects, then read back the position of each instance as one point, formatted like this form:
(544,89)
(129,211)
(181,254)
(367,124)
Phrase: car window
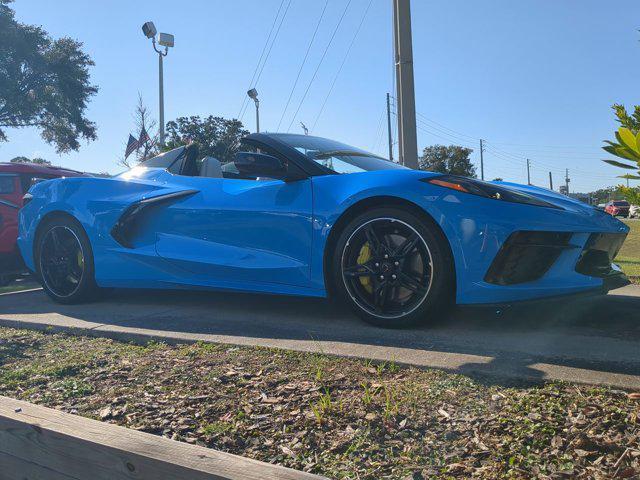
(335,156)
(7,184)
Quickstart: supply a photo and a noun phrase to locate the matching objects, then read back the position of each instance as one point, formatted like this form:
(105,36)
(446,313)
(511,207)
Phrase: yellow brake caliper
(364,257)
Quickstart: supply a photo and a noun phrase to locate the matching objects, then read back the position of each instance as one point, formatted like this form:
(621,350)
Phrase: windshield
(335,156)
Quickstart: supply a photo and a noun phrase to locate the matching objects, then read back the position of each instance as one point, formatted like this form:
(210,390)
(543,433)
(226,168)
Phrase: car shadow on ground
(600,333)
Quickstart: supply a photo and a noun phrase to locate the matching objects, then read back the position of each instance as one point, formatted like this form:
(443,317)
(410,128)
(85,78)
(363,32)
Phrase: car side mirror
(259,165)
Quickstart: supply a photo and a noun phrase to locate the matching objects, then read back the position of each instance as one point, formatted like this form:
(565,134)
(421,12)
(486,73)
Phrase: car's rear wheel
(393,268)
(64,262)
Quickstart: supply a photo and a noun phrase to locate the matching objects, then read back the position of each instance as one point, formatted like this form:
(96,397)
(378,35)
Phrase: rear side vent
(526,256)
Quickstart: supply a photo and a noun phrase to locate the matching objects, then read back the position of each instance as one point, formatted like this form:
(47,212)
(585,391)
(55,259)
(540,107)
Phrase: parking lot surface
(588,340)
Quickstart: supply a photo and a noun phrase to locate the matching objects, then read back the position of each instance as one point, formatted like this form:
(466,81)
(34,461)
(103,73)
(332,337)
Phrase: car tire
(395,291)
(64,262)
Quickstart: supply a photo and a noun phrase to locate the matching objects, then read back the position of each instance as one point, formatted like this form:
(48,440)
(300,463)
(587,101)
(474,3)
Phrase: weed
(216,428)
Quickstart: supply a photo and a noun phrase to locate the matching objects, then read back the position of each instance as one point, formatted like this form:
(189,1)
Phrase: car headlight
(487,190)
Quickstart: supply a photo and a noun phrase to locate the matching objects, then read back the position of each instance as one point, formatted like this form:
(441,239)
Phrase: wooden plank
(81,448)
(12,468)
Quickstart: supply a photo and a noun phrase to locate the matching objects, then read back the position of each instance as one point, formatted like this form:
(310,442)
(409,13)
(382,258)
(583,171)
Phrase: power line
(514,161)
(264,49)
(344,60)
(374,146)
(324,54)
(275,37)
(304,61)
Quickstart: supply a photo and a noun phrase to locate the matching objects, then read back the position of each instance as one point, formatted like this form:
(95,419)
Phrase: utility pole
(481,160)
(389,127)
(405,97)
(528,172)
(567,180)
(550,181)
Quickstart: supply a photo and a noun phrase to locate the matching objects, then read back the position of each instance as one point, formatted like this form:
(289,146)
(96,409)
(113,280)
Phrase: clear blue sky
(535,78)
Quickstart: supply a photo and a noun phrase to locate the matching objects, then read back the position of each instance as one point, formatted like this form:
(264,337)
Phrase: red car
(15,181)
(618,208)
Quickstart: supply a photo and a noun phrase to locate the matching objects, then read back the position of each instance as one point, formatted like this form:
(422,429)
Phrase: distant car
(309,216)
(15,181)
(634,211)
(601,206)
(618,208)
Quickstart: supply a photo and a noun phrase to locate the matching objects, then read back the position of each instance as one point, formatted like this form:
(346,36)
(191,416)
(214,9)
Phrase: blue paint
(271,236)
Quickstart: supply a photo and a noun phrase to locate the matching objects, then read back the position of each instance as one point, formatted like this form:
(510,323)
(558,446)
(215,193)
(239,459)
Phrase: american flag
(132,145)
(144,137)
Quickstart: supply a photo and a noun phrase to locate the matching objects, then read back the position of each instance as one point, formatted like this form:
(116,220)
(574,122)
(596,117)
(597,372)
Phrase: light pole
(165,40)
(253,94)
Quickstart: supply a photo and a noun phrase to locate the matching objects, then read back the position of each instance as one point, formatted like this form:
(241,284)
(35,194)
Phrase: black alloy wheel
(393,269)
(64,262)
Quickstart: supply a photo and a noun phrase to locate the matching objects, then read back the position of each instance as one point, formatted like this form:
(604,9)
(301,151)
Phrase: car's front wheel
(393,268)
(64,261)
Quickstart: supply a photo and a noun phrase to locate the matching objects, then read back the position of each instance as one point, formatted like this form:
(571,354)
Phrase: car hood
(549,196)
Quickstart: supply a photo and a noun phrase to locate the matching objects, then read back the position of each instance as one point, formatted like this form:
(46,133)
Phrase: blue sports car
(302,215)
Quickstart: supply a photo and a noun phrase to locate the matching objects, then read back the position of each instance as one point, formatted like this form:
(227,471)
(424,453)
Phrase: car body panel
(15,180)
(271,235)
(617,208)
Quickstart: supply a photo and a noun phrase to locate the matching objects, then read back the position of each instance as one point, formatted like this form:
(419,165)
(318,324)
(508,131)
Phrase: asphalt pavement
(587,340)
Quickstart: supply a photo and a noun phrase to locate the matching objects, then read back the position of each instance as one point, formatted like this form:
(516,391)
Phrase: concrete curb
(474,365)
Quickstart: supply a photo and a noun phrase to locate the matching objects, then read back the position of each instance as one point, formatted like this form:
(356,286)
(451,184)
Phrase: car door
(236,232)
(10,203)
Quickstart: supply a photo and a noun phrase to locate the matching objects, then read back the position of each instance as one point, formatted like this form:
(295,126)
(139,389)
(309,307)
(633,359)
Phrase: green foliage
(632,122)
(603,195)
(630,194)
(217,137)
(38,160)
(44,83)
(452,159)
(627,146)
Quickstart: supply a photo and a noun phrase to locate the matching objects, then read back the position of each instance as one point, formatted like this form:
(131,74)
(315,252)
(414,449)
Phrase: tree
(44,83)
(626,147)
(498,179)
(38,160)
(215,136)
(452,159)
(143,122)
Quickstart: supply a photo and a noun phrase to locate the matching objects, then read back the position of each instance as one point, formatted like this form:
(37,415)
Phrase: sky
(534,78)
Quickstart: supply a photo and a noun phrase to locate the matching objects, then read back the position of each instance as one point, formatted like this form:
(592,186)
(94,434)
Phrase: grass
(354,420)
(629,256)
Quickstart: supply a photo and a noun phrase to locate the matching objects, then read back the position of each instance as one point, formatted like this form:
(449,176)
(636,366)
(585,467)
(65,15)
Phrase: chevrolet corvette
(303,215)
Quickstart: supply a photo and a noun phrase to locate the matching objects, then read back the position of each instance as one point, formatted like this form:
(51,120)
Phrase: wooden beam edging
(39,443)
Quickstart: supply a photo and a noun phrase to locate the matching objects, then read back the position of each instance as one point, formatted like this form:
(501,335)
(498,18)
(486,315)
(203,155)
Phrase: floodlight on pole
(167,41)
(253,95)
(149,30)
